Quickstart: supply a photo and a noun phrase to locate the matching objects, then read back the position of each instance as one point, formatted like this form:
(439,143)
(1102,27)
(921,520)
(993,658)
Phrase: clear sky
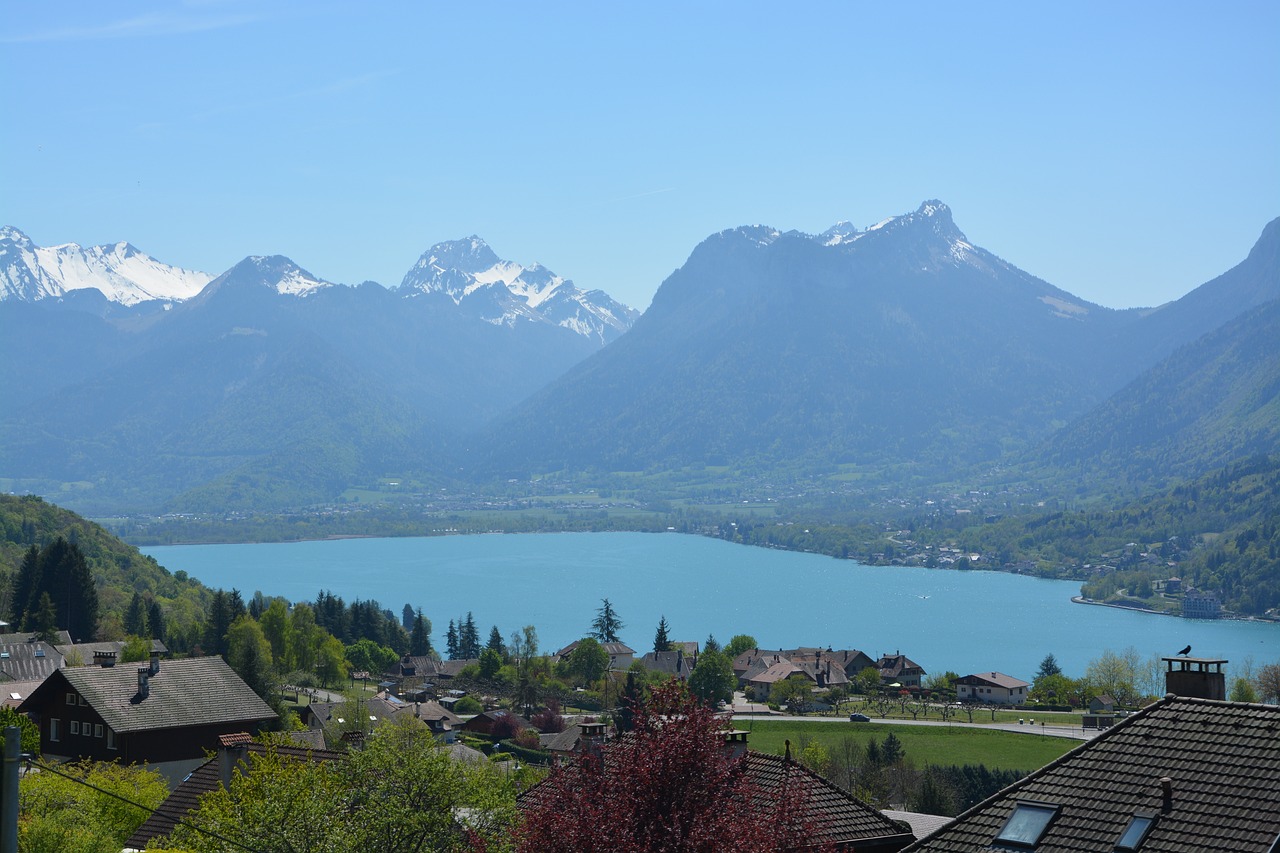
(1126,152)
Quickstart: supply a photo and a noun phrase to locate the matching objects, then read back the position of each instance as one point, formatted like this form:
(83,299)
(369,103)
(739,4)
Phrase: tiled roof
(28,661)
(1223,760)
(188,692)
(86,650)
(833,816)
(13,693)
(670,663)
(31,637)
(202,780)
(999,679)
(895,665)
(776,672)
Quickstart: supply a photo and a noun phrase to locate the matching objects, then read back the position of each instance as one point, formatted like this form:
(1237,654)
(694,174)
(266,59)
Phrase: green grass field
(923,744)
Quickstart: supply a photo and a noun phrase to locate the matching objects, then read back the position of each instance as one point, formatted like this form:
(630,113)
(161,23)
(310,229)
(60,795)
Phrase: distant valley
(813,375)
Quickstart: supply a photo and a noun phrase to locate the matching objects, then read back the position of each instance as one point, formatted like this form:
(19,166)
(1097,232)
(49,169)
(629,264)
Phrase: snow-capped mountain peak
(271,272)
(119,271)
(503,292)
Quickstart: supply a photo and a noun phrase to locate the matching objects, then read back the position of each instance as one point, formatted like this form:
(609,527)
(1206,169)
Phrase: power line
(50,769)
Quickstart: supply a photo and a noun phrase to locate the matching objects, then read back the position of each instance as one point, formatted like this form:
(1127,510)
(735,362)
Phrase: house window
(97,729)
(1136,831)
(111,739)
(75,727)
(54,734)
(84,701)
(1027,824)
(71,698)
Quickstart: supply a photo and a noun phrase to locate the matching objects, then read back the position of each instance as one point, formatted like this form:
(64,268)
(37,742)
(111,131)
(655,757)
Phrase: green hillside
(119,570)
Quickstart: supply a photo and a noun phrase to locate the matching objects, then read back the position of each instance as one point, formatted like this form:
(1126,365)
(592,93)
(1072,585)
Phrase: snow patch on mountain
(120,272)
(504,292)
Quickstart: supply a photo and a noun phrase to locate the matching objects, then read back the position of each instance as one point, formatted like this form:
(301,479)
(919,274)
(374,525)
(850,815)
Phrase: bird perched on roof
(1185,651)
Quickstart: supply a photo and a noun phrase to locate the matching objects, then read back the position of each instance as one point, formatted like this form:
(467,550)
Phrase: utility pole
(9,810)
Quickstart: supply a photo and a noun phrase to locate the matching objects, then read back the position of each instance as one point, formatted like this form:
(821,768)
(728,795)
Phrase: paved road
(745,711)
(1073,732)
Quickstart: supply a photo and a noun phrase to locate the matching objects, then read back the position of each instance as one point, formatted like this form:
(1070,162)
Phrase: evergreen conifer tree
(451,641)
(469,639)
(606,625)
(25,585)
(155,621)
(495,642)
(420,638)
(135,617)
(43,620)
(661,642)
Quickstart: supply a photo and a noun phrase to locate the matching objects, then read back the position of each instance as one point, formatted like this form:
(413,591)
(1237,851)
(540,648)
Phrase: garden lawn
(922,744)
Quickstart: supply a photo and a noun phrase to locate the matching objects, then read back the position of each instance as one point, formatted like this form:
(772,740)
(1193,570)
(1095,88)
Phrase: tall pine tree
(469,639)
(661,641)
(135,617)
(451,641)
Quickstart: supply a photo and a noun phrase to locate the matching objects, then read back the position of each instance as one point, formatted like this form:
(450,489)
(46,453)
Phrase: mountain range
(898,353)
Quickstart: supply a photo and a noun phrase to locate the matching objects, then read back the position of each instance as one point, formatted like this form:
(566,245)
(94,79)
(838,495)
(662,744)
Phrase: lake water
(962,621)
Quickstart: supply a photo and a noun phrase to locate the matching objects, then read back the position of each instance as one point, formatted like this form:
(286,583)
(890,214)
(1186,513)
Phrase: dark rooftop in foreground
(1184,775)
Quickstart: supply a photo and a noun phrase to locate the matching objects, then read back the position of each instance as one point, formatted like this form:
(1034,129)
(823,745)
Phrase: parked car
(859,718)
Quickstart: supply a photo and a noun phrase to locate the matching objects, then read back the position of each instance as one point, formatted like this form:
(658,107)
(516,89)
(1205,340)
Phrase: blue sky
(1124,152)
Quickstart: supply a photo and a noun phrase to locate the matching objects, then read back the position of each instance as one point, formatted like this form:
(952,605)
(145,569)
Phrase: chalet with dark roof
(153,713)
(899,669)
(483,724)
(674,663)
(1186,774)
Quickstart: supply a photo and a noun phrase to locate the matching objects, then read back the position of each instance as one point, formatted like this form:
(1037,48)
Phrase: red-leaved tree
(668,786)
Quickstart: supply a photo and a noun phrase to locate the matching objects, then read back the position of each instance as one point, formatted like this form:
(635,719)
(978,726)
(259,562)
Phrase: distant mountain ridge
(902,346)
(270,386)
(900,353)
(474,278)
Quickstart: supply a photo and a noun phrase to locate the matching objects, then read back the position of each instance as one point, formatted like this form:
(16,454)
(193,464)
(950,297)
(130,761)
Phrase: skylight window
(1136,831)
(1027,824)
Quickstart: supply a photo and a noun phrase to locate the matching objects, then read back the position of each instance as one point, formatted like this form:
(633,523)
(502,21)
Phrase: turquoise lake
(962,621)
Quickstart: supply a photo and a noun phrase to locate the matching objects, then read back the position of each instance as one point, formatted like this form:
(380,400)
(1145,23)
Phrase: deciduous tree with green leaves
(588,661)
(740,643)
(712,680)
(59,815)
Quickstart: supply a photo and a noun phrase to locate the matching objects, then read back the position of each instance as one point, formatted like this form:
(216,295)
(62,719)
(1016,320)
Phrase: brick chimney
(233,749)
(154,668)
(1199,678)
(104,658)
(735,743)
(144,682)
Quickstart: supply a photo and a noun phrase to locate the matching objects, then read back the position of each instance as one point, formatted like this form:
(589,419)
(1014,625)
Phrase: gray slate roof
(28,661)
(1224,762)
(188,692)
